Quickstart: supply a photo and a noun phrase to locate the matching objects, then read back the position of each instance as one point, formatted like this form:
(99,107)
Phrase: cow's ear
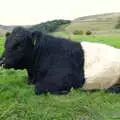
(7,34)
(36,36)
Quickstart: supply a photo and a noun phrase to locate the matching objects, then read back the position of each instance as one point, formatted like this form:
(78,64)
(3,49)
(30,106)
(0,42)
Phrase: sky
(29,12)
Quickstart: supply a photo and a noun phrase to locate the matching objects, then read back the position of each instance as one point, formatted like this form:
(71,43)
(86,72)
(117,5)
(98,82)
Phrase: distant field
(113,40)
(18,101)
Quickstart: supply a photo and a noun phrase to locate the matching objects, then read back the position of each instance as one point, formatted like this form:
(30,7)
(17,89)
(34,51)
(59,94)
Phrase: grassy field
(18,101)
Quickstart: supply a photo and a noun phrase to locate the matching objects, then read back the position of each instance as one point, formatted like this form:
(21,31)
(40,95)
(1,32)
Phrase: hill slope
(100,22)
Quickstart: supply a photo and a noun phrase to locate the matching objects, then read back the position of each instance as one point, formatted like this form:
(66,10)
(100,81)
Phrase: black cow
(54,64)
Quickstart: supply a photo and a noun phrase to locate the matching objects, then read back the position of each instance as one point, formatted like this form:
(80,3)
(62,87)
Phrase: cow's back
(102,65)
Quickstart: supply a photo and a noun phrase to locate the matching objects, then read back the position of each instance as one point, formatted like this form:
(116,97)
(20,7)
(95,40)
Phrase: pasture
(18,101)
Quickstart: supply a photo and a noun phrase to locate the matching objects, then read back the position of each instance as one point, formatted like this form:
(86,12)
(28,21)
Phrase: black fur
(54,64)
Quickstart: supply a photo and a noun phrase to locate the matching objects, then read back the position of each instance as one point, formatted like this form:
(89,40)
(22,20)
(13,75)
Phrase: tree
(49,26)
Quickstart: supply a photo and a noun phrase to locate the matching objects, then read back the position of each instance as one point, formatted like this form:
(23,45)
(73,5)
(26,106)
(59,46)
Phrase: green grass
(112,40)
(1,44)
(18,101)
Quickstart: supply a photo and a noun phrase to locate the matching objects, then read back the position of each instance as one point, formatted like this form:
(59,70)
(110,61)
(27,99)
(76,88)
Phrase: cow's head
(18,48)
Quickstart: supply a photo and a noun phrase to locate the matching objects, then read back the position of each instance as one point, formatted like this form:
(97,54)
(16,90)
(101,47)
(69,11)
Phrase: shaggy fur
(54,64)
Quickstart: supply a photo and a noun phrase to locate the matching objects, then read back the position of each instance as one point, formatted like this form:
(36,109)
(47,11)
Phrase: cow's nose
(2,59)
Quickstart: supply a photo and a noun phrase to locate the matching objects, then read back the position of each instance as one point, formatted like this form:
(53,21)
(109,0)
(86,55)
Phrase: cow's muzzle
(2,59)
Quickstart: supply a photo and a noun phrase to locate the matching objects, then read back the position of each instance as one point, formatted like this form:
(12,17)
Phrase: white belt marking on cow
(102,65)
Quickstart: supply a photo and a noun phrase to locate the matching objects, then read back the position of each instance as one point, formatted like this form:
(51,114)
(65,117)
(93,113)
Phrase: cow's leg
(44,87)
(55,82)
(31,79)
(114,89)
(40,88)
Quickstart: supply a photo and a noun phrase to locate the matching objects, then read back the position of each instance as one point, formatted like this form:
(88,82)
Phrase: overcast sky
(26,12)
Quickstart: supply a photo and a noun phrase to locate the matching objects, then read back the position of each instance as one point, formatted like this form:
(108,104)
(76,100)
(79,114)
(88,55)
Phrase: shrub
(118,24)
(88,32)
(78,32)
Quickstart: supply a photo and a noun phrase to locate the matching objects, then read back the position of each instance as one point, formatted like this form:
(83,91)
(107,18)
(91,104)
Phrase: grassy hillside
(18,101)
(96,23)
